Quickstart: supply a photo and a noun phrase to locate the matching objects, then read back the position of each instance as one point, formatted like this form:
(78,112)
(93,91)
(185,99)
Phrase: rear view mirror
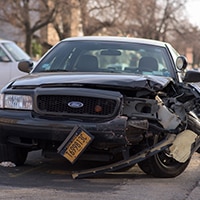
(181,62)
(111,52)
(25,66)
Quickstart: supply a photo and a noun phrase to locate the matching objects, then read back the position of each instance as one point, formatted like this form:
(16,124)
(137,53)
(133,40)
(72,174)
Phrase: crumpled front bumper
(21,124)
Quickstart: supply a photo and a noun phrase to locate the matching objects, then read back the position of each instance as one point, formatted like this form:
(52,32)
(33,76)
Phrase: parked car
(10,55)
(87,100)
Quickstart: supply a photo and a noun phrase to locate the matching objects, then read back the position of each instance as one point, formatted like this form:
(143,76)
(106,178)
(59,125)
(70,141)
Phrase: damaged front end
(160,136)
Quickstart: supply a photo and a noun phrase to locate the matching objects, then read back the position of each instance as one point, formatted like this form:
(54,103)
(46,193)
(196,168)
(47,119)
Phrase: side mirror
(181,62)
(25,66)
(192,76)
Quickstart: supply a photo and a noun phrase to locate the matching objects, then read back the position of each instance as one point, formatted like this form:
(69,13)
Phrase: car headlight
(12,101)
(1,100)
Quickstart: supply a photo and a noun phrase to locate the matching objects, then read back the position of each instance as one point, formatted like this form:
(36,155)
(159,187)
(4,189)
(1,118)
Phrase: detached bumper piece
(148,152)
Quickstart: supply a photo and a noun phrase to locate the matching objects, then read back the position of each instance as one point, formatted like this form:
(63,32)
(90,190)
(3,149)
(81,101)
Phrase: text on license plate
(76,146)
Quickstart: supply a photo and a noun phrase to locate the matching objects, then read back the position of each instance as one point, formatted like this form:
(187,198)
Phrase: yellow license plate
(76,146)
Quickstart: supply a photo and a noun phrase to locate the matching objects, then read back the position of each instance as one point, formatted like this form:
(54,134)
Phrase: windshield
(16,52)
(107,56)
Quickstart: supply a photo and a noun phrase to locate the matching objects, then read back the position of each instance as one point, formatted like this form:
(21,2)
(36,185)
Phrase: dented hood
(98,80)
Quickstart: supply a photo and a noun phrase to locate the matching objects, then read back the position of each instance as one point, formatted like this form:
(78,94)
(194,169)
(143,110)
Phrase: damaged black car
(122,101)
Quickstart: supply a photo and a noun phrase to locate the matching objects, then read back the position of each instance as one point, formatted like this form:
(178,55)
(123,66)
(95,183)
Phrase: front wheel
(162,165)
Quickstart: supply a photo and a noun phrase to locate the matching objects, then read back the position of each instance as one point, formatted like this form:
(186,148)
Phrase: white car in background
(10,55)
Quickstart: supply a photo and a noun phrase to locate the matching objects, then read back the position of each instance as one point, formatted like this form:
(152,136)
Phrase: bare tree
(89,16)
(153,19)
(62,22)
(28,15)
(99,15)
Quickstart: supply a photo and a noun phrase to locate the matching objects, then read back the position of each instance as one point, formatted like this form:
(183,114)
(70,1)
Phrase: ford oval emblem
(75,104)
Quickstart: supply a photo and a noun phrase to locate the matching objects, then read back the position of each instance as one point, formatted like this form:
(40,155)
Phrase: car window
(16,52)
(3,56)
(103,56)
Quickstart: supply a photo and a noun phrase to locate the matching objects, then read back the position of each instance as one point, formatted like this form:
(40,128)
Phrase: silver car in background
(10,55)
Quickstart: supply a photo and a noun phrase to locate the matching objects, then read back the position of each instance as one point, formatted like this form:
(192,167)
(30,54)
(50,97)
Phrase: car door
(8,67)
(6,63)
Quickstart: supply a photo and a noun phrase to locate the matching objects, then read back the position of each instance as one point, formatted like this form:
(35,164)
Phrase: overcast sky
(193,9)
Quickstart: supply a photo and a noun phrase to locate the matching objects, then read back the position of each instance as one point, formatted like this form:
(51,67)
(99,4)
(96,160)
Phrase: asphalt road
(43,179)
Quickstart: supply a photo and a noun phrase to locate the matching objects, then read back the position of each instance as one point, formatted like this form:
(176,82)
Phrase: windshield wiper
(56,70)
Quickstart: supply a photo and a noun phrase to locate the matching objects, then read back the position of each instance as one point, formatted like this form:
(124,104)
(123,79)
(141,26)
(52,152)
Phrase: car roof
(117,39)
(5,41)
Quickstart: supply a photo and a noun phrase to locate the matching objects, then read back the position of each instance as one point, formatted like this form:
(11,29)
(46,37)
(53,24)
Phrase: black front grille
(90,105)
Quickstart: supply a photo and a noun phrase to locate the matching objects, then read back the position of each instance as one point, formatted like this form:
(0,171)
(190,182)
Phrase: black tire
(162,166)
(13,154)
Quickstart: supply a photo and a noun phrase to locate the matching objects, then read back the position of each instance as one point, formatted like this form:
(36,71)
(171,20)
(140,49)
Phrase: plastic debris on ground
(7,164)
